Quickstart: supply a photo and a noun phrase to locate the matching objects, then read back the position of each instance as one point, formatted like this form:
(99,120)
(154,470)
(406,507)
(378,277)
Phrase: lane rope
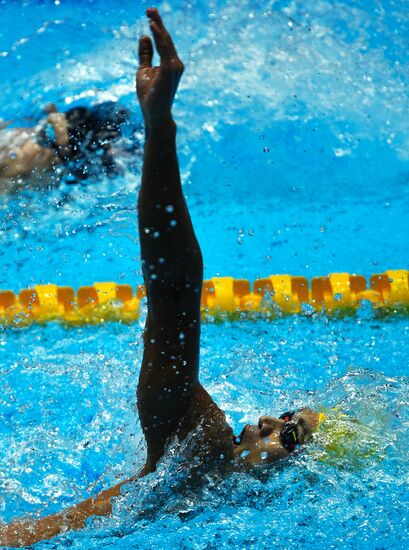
(222,297)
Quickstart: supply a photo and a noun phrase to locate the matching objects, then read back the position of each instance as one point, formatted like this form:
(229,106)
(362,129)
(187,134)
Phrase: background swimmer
(171,401)
(80,142)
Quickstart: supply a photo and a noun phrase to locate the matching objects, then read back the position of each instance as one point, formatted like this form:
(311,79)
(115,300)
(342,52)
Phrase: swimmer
(73,141)
(171,401)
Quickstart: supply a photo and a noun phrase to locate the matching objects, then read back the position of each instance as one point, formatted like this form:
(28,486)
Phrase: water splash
(70,428)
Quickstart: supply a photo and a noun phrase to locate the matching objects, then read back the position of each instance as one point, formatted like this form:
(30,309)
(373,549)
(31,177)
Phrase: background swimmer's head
(107,118)
(91,133)
(77,124)
(269,440)
(97,125)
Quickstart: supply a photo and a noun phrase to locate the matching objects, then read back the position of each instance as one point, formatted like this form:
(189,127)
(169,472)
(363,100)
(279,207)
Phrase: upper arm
(172,332)
(169,375)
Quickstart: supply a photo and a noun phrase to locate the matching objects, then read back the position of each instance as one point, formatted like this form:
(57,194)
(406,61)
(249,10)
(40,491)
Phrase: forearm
(27,532)
(59,124)
(169,248)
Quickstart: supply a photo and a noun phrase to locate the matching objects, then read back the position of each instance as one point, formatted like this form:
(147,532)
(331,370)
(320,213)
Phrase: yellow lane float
(222,297)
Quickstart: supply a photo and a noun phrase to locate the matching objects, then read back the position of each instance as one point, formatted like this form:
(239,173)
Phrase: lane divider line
(222,297)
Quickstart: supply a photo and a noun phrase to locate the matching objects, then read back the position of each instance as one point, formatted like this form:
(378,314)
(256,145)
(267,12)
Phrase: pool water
(294,154)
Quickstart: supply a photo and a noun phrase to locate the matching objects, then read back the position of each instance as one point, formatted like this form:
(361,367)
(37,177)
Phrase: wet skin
(262,443)
(31,158)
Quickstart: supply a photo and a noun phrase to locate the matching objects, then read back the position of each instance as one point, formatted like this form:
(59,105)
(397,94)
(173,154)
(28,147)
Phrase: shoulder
(212,436)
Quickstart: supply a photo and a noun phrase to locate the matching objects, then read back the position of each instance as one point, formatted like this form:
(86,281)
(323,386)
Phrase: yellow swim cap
(344,441)
(321,418)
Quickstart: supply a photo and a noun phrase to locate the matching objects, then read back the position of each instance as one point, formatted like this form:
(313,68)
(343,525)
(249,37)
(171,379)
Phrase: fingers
(163,41)
(50,108)
(145,52)
(153,15)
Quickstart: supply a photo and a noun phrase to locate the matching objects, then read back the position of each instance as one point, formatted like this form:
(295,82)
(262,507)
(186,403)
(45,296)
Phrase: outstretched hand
(156,86)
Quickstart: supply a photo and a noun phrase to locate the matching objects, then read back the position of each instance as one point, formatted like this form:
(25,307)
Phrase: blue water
(294,154)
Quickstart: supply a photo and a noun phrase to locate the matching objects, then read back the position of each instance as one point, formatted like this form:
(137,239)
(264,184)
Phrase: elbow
(173,277)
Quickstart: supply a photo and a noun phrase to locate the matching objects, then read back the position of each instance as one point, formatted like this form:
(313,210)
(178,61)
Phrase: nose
(265,420)
(266,429)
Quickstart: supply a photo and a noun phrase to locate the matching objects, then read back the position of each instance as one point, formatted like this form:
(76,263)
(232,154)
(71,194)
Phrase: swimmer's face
(262,443)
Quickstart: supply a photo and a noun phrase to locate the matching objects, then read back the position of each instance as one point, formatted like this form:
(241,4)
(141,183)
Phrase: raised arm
(171,258)
(170,397)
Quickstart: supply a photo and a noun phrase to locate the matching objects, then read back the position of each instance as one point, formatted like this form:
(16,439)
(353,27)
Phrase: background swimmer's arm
(171,257)
(59,124)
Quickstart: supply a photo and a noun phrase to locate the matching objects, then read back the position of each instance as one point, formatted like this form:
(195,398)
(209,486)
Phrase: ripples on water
(293,147)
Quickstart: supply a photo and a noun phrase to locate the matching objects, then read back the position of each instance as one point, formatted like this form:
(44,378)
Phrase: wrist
(160,127)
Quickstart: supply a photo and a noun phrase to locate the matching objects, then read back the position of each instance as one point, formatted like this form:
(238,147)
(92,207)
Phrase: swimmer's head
(91,134)
(108,117)
(98,124)
(274,438)
(78,122)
